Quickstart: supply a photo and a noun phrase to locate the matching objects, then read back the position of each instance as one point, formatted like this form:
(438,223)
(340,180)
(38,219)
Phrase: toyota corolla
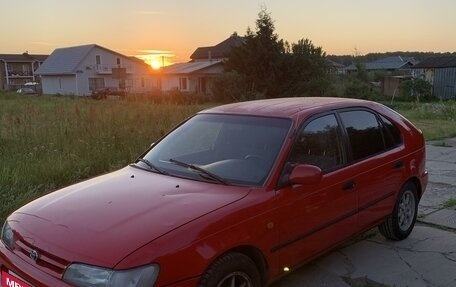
(236,195)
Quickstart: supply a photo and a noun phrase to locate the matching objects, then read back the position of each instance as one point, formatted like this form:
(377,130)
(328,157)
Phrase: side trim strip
(332,222)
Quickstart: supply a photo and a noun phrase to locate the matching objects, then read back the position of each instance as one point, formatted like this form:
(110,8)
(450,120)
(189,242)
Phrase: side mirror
(305,174)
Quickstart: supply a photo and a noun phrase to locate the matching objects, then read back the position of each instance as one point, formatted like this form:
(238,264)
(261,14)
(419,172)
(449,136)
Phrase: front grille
(51,264)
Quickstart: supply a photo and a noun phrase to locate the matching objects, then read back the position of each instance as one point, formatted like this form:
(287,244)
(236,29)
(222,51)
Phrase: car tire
(231,270)
(400,223)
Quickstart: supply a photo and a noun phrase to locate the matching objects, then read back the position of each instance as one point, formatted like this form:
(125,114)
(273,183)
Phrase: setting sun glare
(156,58)
(155,63)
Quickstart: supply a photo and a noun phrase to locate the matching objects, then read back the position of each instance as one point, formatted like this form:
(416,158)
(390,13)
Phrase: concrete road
(426,258)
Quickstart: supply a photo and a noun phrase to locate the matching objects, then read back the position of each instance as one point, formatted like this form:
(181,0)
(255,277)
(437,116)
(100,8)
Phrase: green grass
(437,120)
(449,203)
(50,142)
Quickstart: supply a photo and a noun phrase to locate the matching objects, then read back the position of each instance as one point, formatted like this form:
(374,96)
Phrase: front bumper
(33,275)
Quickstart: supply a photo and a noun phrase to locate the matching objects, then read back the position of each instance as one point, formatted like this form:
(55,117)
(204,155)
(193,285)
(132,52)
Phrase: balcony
(107,69)
(20,74)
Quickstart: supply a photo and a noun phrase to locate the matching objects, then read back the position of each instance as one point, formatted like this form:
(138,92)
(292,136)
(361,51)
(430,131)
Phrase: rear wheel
(400,223)
(231,270)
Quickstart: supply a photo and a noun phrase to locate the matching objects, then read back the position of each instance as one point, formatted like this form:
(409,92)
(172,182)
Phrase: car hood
(103,220)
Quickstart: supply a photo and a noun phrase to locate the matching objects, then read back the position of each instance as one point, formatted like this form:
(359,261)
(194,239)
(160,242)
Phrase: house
(195,77)
(82,69)
(18,69)
(395,65)
(218,52)
(440,72)
(336,68)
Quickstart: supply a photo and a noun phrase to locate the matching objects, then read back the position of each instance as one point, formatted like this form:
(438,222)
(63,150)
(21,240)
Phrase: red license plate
(9,280)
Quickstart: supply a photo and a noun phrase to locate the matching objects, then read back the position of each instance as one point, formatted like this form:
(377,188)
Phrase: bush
(231,87)
(417,89)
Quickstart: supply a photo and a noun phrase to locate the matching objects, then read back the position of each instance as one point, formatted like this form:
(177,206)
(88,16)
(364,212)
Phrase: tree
(274,68)
(259,59)
(305,70)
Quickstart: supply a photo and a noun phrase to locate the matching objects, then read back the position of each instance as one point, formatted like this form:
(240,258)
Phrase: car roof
(287,107)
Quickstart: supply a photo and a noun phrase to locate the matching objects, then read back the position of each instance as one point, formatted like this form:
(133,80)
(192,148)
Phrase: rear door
(374,155)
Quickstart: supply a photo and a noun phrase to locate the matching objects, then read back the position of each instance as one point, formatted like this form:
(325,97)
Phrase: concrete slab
(435,196)
(441,164)
(311,276)
(444,217)
(427,258)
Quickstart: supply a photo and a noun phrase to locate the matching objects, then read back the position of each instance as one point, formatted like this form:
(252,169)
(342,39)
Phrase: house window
(142,82)
(98,59)
(60,83)
(118,61)
(26,69)
(96,83)
(9,67)
(183,84)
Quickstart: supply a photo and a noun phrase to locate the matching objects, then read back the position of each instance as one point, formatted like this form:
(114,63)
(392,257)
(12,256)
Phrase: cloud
(156,52)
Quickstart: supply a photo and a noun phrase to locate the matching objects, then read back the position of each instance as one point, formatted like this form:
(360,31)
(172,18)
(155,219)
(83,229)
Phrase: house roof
(65,61)
(219,51)
(388,63)
(190,67)
(335,64)
(437,62)
(24,57)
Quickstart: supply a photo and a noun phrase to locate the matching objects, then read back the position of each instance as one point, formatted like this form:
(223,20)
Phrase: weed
(450,203)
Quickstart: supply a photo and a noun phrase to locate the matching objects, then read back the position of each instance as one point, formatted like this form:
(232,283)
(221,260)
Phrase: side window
(319,144)
(364,133)
(391,133)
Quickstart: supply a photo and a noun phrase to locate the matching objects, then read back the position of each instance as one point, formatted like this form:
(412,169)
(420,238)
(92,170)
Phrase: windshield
(231,149)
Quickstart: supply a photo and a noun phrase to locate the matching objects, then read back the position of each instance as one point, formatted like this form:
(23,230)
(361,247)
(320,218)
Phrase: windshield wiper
(152,166)
(200,169)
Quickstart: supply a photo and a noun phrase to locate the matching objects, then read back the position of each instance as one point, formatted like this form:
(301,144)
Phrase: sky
(175,28)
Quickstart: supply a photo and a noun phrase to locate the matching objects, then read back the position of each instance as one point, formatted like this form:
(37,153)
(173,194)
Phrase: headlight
(7,235)
(82,275)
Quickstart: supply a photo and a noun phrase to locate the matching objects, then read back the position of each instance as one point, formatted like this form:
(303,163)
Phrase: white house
(195,77)
(81,69)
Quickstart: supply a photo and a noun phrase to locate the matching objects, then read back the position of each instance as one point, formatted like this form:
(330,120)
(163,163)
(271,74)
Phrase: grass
(449,203)
(50,142)
(437,120)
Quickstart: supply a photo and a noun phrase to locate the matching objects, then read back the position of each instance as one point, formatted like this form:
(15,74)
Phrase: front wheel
(400,223)
(231,270)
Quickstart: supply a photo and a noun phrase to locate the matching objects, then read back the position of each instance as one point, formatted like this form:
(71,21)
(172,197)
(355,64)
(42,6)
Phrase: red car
(237,195)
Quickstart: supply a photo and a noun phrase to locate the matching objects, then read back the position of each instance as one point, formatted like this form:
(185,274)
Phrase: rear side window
(364,132)
(319,144)
(391,133)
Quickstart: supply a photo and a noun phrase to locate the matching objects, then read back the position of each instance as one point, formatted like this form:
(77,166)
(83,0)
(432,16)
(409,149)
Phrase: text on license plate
(9,280)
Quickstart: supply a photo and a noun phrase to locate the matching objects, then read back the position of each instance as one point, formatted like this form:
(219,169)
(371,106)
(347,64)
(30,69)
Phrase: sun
(155,63)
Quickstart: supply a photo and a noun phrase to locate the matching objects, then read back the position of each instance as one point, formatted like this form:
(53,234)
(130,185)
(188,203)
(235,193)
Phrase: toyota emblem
(34,255)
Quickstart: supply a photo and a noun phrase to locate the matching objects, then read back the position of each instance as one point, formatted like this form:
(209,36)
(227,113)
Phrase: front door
(315,217)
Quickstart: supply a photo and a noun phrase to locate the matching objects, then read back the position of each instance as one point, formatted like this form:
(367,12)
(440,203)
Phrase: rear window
(364,132)
(391,133)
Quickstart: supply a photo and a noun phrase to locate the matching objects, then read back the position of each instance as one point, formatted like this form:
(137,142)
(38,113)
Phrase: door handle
(398,164)
(349,185)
